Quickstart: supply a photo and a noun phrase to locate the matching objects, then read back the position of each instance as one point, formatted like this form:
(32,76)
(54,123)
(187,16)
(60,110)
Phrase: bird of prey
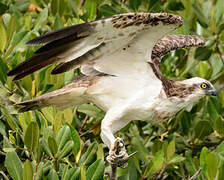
(119,58)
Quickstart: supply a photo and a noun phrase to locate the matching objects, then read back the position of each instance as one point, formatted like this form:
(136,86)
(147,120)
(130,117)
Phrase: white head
(200,86)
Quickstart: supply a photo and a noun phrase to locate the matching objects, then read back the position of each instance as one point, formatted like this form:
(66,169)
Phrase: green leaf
(100,154)
(27,170)
(134,4)
(176,159)
(190,164)
(52,175)
(211,108)
(157,162)
(211,162)
(22,5)
(55,6)
(40,171)
(3,8)
(219,11)
(90,6)
(75,138)
(95,170)
(13,165)
(200,16)
(107,10)
(42,18)
(140,148)
(58,6)
(58,22)
(89,155)
(204,70)
(3,37)
(45,147)
(63,136)
(219,125)
(31,138)
(67,148)
(203,53)
(11,28)
(170,150)
(52,145)
(174,5)
(89,109)
(203,155)
(73,174)
(203,128)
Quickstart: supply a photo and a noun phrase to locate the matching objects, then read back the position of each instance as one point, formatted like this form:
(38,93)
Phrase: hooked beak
(213,92)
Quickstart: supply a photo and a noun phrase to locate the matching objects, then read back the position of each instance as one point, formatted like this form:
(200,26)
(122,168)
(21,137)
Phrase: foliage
(54,144)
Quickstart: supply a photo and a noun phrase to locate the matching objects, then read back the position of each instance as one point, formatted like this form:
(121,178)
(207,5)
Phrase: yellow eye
(204,86)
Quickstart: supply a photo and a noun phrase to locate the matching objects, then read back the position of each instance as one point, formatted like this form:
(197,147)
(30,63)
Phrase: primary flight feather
(120,61)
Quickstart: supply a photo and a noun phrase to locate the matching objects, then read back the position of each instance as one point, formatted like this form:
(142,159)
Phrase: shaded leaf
(203,53)
(203,128)
(174,5)
(200,16)
(41,19)
(67,149)
(3,37)
(52,175)
(63,137)
(73,174)
(211,165)
(95,170)
(13,165)
(134,4)
(76,139)
(90,6)
(52,145)
(27,170)
(31,138)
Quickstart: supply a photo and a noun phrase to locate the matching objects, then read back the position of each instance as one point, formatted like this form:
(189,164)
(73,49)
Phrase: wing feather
(171,42)
(75,41)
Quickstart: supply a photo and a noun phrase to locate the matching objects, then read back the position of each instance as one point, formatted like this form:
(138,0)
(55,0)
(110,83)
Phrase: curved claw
(118,155)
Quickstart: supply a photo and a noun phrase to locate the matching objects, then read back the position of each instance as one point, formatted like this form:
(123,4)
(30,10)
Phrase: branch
(113,175)
(196,174)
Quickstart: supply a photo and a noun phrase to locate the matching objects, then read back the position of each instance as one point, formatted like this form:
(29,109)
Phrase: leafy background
(53,144)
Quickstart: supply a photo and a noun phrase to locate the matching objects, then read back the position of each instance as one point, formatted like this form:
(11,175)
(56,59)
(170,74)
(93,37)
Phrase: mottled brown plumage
(161,48)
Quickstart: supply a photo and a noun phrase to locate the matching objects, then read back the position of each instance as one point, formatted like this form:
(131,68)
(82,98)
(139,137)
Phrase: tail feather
(63,98)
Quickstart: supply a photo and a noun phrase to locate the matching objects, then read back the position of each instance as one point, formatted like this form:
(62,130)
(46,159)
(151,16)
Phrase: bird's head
(200,87)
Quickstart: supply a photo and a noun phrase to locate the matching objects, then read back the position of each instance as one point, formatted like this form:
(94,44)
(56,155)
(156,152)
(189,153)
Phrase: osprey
(119,58)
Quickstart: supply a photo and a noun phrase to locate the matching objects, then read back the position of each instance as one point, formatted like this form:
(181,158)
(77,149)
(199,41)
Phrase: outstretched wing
(113,45)
(169,43)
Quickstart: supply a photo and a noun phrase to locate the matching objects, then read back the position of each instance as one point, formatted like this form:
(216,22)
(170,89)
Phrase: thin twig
(196,174)
(113,175)
(83,123)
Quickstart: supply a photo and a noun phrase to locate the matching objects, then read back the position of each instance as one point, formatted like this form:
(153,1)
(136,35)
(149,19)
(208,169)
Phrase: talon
(118,155)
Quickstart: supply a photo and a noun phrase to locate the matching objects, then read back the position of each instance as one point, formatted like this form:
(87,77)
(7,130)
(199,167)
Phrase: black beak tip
(215,93)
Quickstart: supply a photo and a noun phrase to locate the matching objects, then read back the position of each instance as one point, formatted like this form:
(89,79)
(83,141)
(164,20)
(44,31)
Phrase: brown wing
(163,46)
(169,43)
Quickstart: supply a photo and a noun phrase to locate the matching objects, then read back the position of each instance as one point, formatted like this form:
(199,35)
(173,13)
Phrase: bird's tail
(65,97)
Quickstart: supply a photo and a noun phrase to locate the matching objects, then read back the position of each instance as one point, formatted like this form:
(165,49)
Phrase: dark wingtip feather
(10,73)
(78,30)
(28,105)
(64,67)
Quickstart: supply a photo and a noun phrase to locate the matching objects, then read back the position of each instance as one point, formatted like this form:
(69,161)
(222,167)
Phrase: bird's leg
(117,153)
